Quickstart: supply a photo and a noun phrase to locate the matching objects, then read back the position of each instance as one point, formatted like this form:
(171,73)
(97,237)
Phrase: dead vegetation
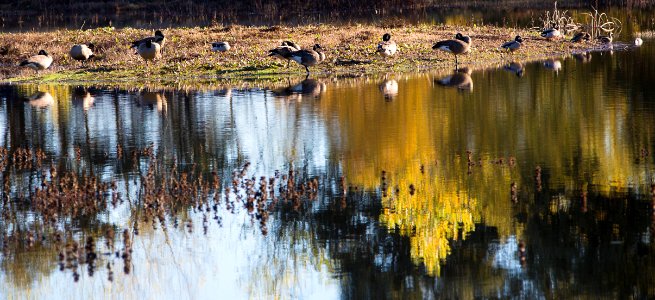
(188,50)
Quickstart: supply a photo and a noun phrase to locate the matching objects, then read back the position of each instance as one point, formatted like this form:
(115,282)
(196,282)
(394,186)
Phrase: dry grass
(187,53)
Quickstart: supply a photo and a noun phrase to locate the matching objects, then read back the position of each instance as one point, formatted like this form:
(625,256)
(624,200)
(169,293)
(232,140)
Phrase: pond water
(534,184)
(19,21)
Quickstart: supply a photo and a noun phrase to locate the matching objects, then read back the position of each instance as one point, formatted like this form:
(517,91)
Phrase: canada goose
(159,38)
(149,50)
(551,33)
(515,67)
(461,79)
(41,100)
(82,52)
(389,89)
(639,42)
(465,39)
(221,46)
(387,47)
(308,58)
(38,62)
(513,45)
(605,39)
(581,36)
(455,46)
(284,51)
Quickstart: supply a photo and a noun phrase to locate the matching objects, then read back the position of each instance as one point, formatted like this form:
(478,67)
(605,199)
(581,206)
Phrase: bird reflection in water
(40,100)
(82,97)
(389,89)
(553,65)
(460,79)
(153,99)
(515,67)
(583,57)
(308,88)
(226,92)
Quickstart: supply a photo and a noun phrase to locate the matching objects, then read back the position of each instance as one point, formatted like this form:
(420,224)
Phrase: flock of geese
(150,48)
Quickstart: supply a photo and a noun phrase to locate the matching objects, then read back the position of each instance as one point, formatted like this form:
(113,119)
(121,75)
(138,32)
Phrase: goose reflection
(461,79)
(515,67)
(153,99)
(227,93)
(389,89)
(553,64)
(583,57)
(82,97)
(306,88)
(41,100)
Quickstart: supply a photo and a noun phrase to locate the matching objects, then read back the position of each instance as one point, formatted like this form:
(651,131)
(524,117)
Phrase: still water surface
(535,185)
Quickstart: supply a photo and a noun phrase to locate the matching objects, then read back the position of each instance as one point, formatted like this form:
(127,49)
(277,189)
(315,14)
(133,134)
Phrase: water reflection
(553,65)
(41,100)
(535,188)
(307,88)
(583,57)
(460,79)
(152,99)
(515,67)
(83,98)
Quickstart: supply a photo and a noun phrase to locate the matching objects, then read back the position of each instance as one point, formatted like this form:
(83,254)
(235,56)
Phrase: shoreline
(350,51)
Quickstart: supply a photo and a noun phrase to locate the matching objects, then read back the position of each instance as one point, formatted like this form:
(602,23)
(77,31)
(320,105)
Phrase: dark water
(520,16)
(532,186)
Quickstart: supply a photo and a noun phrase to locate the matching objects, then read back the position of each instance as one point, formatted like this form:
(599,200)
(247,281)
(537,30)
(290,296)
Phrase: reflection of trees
(583,135)
(388,246)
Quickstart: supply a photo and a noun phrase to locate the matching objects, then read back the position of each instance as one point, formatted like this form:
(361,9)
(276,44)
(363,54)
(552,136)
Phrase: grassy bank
(350,50)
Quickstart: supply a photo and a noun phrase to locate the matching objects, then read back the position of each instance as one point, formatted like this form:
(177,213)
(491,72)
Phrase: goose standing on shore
(220,46)
(158,38)
(514,45)
(387,47)
(82,52)
(459,45)
(581,36)
(284,51)
(149,51)
(38,62)
(308,58)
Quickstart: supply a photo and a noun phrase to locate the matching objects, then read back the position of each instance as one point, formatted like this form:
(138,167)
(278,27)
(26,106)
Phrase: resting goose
(513,45)
(387,47)
(38,62)
(221,46)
